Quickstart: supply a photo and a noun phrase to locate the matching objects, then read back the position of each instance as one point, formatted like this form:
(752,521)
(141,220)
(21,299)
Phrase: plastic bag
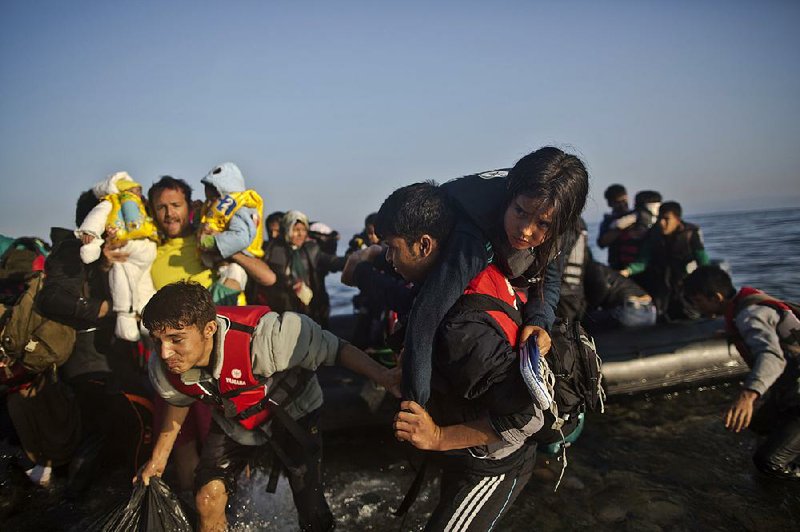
(150,508)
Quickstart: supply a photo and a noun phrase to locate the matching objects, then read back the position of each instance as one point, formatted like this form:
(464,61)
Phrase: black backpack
(577,380)
(574,363)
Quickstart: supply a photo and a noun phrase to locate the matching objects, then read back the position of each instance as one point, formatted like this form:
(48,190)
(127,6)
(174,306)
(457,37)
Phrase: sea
(650,462)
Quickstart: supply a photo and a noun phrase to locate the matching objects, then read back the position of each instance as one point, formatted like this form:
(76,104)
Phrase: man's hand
(740,413)
(623,222)
(357,257)
(153,468)
(543,340)
(111,252)
(625,272)
(391,379)
(414,425)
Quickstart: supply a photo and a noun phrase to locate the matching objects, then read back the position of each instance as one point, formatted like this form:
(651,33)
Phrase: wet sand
(662,462)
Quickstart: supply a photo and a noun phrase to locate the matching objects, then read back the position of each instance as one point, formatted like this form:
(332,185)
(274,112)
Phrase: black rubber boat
(660,357)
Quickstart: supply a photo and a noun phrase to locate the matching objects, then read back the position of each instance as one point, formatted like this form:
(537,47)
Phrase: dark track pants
(782,429)
(474,502)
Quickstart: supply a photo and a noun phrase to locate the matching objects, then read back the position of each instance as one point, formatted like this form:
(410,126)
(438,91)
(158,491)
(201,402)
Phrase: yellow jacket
(129,218)
(217,215)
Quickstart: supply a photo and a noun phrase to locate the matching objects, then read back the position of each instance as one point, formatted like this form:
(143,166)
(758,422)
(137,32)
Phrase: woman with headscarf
(300,266)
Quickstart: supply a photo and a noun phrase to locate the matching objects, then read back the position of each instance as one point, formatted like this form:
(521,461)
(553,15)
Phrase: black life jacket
(281,296)
(671,254)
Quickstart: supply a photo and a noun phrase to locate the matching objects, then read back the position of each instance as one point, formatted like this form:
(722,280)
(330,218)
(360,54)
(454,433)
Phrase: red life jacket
(491,282)
(625,249)
(787,329)
(241,394)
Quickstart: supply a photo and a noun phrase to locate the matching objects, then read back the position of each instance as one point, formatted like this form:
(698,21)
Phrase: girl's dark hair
(179,305)
(559,180)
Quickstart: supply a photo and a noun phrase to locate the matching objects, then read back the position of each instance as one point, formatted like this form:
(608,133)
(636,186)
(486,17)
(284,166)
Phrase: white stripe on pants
(472,503)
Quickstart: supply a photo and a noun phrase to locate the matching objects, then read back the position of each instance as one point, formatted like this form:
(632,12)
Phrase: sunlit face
(412,262)
(299,234)
(185,348)
(527,222)
(708,306)
(669,223)
(171,212)
(372,236)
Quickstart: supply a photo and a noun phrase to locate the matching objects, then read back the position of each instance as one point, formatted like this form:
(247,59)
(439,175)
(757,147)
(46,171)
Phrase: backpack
(30,338)
(576,380)
(574,370)
(21,258)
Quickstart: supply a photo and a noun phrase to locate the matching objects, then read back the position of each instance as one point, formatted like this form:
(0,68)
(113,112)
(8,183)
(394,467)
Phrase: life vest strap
(483,302)
(236,326)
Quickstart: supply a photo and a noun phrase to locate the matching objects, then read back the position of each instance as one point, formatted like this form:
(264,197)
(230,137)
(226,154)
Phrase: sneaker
(789,472)
(533,367)
(40,475)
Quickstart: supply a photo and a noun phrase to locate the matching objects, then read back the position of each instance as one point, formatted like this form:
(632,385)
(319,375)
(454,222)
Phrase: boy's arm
(700,254)
(355,360)
(606,235)
(757,326)
(414,425)
(288,340)
(331,263)
(173,420)
(258,270)
(463,257)
(240,232)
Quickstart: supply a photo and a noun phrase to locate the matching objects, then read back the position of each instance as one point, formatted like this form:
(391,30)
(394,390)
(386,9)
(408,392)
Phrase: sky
(329,106)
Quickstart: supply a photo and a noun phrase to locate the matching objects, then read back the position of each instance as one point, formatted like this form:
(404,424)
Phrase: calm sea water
(651,462)
(762,249)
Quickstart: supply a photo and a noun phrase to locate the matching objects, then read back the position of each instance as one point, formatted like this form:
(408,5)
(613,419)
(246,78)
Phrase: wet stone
(573,483)
(664,512)
(611,514)
(641,525)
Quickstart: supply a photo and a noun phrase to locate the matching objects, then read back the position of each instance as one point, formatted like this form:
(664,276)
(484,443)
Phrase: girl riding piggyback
(121,216)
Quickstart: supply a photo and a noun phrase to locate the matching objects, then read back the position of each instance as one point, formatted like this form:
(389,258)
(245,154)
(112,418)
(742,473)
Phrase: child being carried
(230,223)
(121,216)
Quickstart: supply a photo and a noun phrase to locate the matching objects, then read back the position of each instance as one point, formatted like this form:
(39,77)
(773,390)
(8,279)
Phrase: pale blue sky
(328,106)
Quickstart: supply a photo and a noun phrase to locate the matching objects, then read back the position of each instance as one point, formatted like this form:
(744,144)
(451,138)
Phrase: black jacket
(281,296)
(72,294)
(476,375)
